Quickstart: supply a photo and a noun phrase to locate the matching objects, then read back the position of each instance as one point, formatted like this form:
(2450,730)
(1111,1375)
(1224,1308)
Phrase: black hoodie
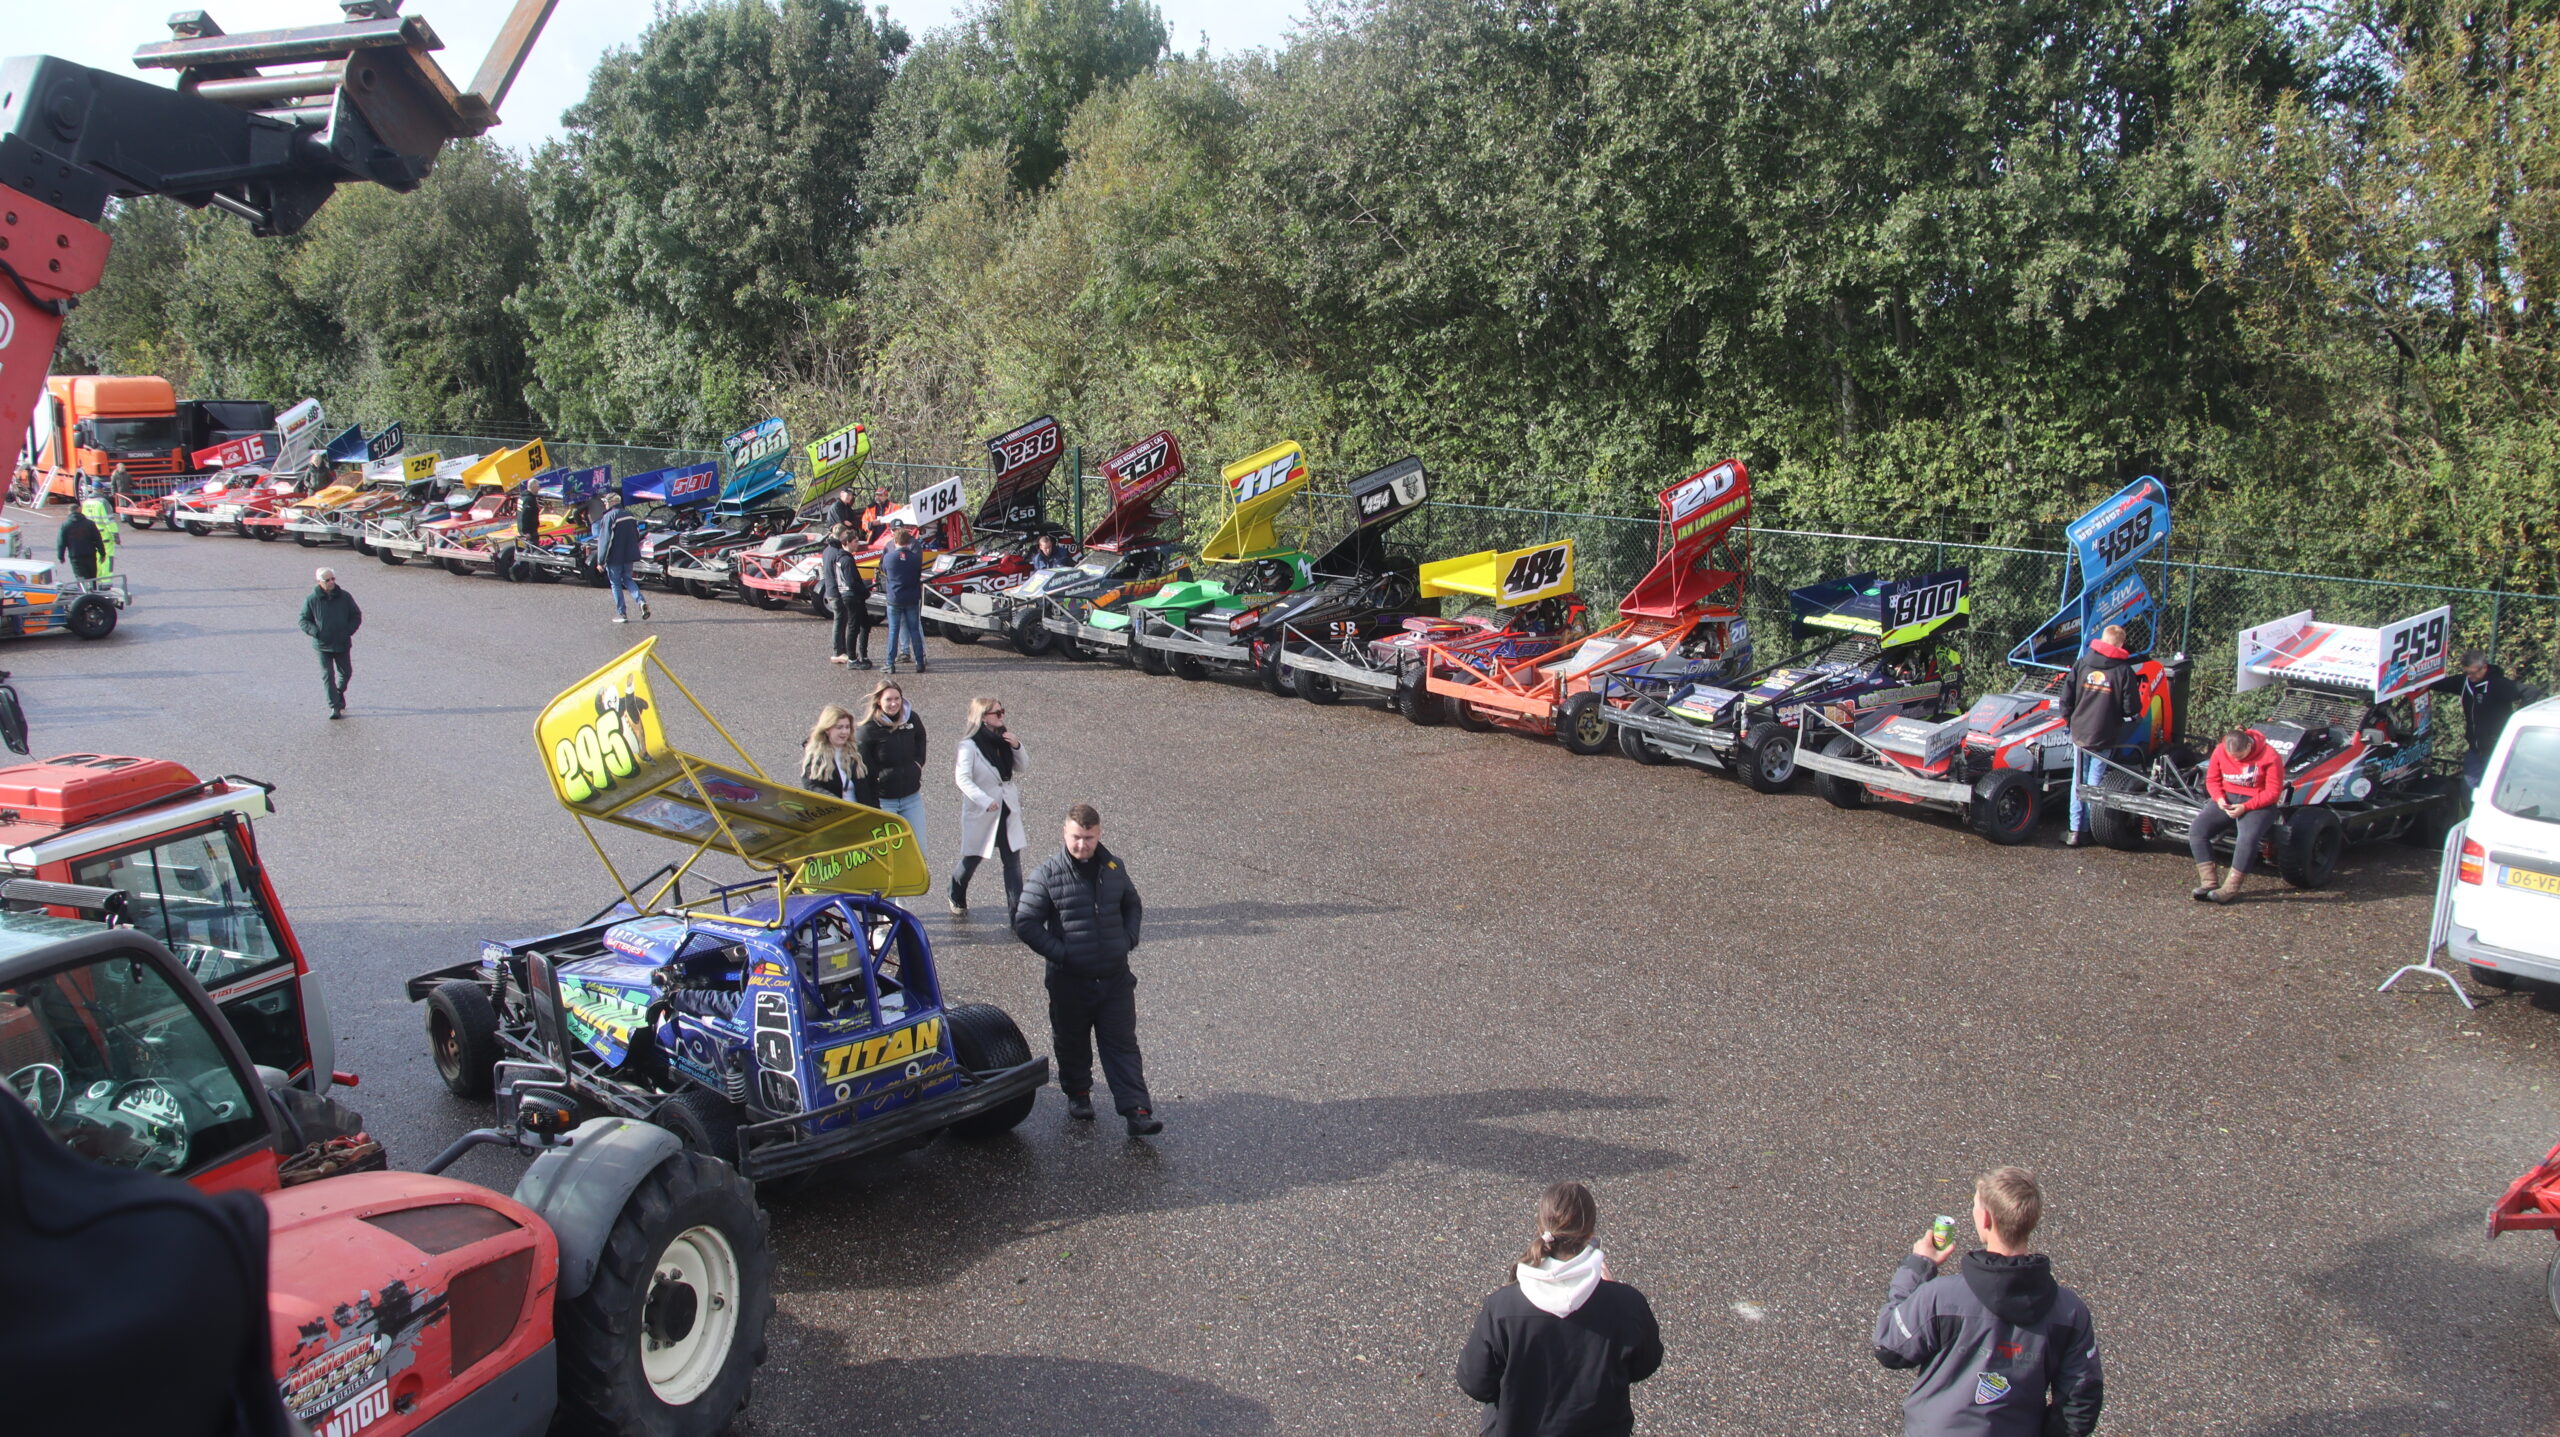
(2003,1350)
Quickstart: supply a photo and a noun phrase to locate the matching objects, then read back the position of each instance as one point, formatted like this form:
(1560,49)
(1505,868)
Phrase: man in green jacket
(331,618)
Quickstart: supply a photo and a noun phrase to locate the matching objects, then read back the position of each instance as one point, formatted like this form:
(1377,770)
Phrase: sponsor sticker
(1988,1388)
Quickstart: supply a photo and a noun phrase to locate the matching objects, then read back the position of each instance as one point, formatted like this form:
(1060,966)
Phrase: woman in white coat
(987,765)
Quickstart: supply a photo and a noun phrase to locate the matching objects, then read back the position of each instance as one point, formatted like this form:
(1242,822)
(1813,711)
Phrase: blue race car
(777,1036)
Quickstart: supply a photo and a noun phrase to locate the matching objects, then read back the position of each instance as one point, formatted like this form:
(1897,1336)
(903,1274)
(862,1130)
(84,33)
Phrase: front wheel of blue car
(984,1038)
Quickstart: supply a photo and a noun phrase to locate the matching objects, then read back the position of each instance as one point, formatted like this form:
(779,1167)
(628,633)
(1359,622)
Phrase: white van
(2505,919)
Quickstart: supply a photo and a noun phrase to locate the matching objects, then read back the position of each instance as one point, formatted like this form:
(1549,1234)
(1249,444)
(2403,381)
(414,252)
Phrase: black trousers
(1012,860)
(1090,1013)
(2211,823)
(853,629)
(335,670)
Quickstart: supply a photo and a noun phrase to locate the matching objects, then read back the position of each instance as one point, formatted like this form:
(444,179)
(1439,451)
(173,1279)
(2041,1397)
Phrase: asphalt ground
(1395,980)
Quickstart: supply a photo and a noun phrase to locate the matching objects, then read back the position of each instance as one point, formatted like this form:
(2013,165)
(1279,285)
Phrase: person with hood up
(2104,695)
(2002,1349)
(2489,699)
(81,544)
(987,766)
(2242,782)
(1554,1353)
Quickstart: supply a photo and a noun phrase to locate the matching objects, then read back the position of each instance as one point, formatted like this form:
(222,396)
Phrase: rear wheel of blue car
(2006,805)
(462,1036)
(92,616)
(706,1122)
(1029,637)
(984,1037)
(668,1334)
(1766,758)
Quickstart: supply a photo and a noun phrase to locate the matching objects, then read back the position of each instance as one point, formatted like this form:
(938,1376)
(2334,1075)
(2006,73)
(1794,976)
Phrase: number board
(1383,494)
(1717,495)
(1275,471)
(1138,471)
(232,453)
(2116,533)
(1019,453)
(1923,600)
(1529,575)
(834,451)
(2413,653)
(758,444)
(387,443)
(414,467)
(575,485)
(602,737)
(933,504)
(296,429)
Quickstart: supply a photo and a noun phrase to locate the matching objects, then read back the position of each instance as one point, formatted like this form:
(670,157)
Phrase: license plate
(2530,880)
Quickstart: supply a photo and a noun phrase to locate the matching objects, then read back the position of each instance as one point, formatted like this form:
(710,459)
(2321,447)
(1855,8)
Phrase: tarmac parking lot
(1397,979)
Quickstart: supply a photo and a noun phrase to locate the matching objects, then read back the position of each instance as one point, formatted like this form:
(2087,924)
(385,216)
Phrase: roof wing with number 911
(604,743)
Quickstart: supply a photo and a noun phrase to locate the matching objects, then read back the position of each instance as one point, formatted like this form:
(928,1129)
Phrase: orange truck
(87,424)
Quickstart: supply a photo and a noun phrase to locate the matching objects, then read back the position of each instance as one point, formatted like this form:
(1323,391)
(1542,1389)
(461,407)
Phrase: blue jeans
(906,626)
(2090,767)
(617,577)
(910,808)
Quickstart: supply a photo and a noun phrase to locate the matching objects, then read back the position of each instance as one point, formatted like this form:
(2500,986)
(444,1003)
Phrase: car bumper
(779,1147)
(2464,945)
(1887,780)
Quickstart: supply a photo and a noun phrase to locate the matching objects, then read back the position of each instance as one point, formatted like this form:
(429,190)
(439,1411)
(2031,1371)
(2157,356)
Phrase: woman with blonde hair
(1555,1352)
(830,762)
(892,742)
(986,764)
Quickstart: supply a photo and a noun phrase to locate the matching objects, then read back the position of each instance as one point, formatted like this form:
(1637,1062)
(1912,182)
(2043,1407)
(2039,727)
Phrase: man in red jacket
(2242,782)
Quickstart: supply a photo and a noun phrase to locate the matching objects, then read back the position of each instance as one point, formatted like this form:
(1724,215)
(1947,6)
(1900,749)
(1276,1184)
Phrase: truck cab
(184,856)
(88,424)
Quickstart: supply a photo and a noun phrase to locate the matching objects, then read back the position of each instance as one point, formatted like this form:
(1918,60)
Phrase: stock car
(2002,762)
(34,599)
(1363,590)
(2354,722)
(1885,653)
(780,1024)
(1193,622)
(990,555)
(1685,611)
(1125,557)
(1524,604)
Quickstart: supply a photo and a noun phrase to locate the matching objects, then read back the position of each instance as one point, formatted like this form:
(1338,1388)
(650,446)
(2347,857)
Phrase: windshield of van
(2528,783)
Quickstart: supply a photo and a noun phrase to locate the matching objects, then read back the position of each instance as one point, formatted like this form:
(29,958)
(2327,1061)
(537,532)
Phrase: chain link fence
(2203,604)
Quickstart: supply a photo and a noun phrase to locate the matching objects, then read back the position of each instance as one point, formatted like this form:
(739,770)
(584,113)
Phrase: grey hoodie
(1993,1341)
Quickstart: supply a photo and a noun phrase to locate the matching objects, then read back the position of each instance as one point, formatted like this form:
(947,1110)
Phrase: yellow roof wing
(1257,487)
(509,466)
(606,748)
(1509,577)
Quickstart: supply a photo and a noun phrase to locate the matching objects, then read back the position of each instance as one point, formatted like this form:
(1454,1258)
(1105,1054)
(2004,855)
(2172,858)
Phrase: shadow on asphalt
(1247,918)
(979,1395)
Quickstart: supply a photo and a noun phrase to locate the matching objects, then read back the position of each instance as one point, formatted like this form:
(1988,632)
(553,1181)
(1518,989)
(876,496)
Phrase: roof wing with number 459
(604,743)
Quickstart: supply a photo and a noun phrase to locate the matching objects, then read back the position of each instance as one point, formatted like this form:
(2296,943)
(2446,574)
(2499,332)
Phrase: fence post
(2497,609)
(1075,479)
(2187,616)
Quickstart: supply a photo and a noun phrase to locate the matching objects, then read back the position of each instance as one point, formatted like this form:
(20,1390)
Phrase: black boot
(1080,1107)
(1144,1123)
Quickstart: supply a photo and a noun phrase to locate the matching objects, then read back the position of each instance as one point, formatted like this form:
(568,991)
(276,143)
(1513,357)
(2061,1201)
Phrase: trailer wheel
(1276,680)
(1464,714)
(1028,635)
(960,634)
(2006,804)
(1413,700)
(1582,724)
(2113,827)
(1633,744)
(200,530)
(394,560)
(2308,845)
(1766,757)
(668,1333)
(983,1036)
(1186,666)
(264,533)
(306,541)
(92,616)
(706,1121)
(1837,791)
(462,1035)
(2491,978)
(138,521)
(1314,687)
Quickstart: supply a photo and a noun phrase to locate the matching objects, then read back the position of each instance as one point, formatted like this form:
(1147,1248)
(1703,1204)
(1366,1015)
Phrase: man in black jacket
(2003,1350)
(1080,911)
(2104,695)
(902,593)
(81,544)
(2489,699)
(331,618)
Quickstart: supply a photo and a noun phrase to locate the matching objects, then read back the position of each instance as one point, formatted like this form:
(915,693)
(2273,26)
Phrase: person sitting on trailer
(2242,782)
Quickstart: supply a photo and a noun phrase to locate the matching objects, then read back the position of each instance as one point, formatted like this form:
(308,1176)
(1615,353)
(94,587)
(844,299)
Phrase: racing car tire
(1314,687)
(1275,679)
(1766,758)
(1146,660)
(698,588)
(819,606)
(1837,791)
(199,530)
(693,1216)
(706,1122)
(1185,666)
(1464,714)
(2116,829)
(1030,637)
(763,600)
(394,560)
(240,528)
(264,533)
(2307,846)
(363,546)
(1633,744)
(139,521)
(92,616)
(2492,978)
(1413,701)
(462,1037)
(1071,649)
(2006,805)
(1582,724)
(2551,1286)
(955,634)
(306,541)
(457,568)
(984,1036)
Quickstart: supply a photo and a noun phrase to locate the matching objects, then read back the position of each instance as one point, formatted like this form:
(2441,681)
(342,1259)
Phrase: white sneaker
(620,619)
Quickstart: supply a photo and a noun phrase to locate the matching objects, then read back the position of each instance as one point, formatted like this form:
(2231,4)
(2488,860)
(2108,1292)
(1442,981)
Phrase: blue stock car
(775,1035)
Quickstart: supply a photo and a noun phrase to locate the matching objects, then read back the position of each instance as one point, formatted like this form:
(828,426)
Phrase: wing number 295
(592,759)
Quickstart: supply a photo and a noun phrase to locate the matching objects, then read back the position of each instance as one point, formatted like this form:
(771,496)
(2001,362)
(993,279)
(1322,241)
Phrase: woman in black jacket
(830,762)
(892,744)
(1555,1352)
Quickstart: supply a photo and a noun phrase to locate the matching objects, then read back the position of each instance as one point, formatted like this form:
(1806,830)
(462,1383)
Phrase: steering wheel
(43,1086)
(154,1115)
